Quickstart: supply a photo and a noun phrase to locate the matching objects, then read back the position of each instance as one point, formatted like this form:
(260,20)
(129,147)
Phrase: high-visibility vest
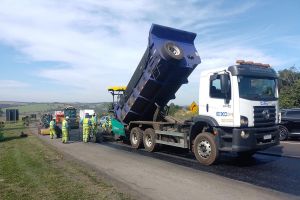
(86,122)
(65,125)
(52,124)
(94,120)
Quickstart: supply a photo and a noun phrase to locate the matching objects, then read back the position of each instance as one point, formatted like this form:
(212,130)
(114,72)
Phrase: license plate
(267,137)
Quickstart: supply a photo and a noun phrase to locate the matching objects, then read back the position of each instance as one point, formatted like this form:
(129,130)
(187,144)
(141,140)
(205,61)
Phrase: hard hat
(67,117)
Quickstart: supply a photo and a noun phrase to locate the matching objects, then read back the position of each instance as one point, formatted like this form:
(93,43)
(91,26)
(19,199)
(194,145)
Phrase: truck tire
(136,137)
(283,133)
(149,140)
(171,51)
(205,148)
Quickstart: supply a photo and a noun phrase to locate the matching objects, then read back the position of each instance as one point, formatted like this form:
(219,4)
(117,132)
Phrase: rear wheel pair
(147,138)
(204,145)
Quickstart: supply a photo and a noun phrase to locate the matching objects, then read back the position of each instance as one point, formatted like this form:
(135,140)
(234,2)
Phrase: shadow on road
(273,151)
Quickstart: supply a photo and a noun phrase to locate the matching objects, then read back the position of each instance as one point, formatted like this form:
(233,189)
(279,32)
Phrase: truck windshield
(257,88)
(70,113)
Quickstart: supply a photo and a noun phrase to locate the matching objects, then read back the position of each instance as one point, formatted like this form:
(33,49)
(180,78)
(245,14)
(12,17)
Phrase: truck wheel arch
(201,123)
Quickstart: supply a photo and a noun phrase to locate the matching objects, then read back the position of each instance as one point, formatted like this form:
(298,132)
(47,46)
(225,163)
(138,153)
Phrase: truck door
(217,106)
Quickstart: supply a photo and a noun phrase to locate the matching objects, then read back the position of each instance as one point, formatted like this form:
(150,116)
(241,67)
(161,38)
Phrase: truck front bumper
(258,139)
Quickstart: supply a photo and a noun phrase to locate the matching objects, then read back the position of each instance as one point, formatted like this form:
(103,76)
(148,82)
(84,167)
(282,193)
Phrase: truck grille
(264,116)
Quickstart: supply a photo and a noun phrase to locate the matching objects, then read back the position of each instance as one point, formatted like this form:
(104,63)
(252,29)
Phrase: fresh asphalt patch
(277,172)
(274,172)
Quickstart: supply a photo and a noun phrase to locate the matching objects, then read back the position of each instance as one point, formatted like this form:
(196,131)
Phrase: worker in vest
(52,128)
(86,128)
(65,130)
(94,122)
(109,122)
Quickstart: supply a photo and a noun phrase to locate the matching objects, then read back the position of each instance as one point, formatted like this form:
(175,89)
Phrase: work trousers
(85,134)
(94,129)
(52,133)
(65,135)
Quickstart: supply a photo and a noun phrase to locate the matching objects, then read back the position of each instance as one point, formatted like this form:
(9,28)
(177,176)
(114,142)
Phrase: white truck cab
(240,103)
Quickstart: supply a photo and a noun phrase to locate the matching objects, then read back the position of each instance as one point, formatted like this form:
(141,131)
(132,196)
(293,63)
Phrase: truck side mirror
(225,86)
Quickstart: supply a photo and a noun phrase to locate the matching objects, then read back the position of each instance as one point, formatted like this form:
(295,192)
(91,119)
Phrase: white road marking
(284,142)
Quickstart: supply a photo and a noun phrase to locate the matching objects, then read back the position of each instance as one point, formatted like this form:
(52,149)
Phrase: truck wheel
(136,136)
(149,140)
(283,133)
(171,51)
(205,148)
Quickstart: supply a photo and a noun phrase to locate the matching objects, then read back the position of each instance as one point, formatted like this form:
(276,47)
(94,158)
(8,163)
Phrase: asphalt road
(289,148)
(173,173)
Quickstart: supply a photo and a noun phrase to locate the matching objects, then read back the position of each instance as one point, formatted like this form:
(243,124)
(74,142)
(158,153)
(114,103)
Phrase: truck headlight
(244,134)
(244,121)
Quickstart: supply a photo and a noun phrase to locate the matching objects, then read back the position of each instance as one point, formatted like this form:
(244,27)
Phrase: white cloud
(12,84)
(99,43)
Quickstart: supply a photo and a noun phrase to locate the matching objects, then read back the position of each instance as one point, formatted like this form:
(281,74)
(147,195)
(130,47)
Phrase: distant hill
(34,107)
(6,104)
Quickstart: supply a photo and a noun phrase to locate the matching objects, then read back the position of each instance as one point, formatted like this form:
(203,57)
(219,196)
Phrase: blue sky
(73,50)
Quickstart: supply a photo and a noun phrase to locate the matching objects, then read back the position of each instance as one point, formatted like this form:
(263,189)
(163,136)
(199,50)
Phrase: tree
(288,77)
(173,109)
(290,96)
(289,88)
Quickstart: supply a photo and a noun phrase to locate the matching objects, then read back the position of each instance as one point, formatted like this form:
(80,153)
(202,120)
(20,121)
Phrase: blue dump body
(169,59)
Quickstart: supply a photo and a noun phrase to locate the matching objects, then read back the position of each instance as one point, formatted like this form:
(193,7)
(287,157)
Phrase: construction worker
(94,122)
(86,128)
(52,128)
(107,125)
(65,130)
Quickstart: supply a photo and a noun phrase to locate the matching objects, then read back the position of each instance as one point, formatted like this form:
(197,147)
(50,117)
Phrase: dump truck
(238,104)
(71,112)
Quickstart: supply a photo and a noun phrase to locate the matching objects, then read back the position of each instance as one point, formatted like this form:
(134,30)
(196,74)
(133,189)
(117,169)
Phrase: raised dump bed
(166,64)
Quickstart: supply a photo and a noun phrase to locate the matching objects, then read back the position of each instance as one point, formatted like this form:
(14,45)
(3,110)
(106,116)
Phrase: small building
(12,115)
(33,116)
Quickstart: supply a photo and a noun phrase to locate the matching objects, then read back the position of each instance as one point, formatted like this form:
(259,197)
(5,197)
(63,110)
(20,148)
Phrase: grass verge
(29,169)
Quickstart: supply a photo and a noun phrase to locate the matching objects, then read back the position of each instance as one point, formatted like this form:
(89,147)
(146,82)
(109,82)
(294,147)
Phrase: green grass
(30,169)
(38,107)
(184,115)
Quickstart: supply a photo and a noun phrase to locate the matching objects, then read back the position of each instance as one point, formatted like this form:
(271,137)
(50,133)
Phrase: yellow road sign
(194,107)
